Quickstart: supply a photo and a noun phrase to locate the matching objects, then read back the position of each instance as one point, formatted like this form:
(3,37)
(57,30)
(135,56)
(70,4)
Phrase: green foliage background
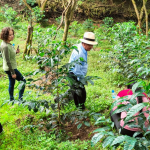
(23,128)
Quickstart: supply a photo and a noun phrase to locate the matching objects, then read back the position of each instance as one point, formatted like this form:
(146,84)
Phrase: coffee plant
(129,53)
(114,139)
(38,14)
(10,15)
(108,21)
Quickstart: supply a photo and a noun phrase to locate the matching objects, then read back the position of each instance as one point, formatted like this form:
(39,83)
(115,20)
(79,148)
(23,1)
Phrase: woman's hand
(14,76)
(17,51)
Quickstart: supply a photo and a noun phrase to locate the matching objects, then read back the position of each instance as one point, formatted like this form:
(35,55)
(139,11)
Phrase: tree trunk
(28,42)
(43,4)
(137,13)
(66,28)
(146,16)
(38,2)
(68,16)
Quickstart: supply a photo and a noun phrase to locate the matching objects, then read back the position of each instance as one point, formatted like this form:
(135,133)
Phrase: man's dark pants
(78,91)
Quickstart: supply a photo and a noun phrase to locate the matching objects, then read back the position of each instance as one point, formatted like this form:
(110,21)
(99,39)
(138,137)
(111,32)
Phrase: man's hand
(14,76)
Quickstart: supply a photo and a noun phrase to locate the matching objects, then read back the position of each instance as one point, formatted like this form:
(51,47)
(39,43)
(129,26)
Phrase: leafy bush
(58,20)
(38,14)
(88,25)
(2,16)
(75,28)
(30,2)
(108,21)
(129,50)
(10,15)
(113,139)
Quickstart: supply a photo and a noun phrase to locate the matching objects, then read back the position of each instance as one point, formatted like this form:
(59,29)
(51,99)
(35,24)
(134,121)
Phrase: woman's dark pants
(19,77)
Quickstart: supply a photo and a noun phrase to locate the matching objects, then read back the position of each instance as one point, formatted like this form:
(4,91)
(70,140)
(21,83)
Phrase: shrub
(88,25)
(38,14)
(129,49)
(10,15)
(108,21)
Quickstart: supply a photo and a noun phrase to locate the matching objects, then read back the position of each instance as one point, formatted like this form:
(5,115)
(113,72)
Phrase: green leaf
(30,79)
(92,83)
(99,130)
(42,54)
(79,126)
(119,139)
(21,85)
(87,124)
(100,120)
(134,61)
(130,143)
(41,109)
(140,69)
(136,95)
(47,111)
(136,133)
(32,105)
(148,132)
(108,141)
(134,110)
(81,59)
(96,138)
(119,100)
(123,108)
(136,85)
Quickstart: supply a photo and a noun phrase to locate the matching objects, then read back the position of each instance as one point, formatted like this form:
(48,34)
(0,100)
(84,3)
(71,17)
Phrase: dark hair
(5,33)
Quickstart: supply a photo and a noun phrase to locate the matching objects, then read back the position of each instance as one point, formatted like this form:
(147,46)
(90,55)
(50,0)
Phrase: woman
(9,61)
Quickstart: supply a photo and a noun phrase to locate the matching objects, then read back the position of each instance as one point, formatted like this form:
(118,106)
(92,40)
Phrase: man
(79,70)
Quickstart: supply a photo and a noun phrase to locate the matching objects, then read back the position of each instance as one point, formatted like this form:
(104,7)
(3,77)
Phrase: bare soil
(84,133)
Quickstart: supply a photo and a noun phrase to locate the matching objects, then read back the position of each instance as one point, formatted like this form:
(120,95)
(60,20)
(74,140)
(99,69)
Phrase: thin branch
(62,19)
(28,6)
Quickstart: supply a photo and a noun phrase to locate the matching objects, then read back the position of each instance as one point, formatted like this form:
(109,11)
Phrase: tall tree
(140,14)
(28,44)
(69,6)
(146,15)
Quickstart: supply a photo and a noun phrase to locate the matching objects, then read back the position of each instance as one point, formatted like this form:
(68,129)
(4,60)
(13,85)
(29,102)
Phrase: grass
(15,118)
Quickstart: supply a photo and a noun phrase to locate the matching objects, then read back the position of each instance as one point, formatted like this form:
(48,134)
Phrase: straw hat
(89,38)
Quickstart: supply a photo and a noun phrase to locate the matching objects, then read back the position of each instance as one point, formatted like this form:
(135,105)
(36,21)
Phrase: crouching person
(118,118)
